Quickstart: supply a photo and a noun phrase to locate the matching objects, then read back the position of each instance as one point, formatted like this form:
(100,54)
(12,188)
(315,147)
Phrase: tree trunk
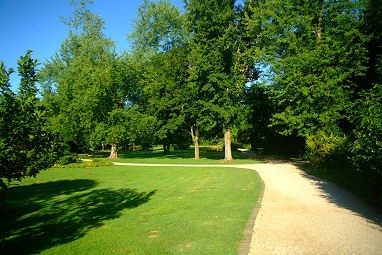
(166,147)
(195,139)
(227,145)
(114,151)
(320,28)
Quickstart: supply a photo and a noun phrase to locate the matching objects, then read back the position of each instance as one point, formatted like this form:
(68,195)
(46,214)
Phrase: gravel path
(301,214)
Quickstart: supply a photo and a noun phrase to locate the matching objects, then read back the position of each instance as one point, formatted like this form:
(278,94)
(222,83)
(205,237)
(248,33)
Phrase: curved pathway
(301,214)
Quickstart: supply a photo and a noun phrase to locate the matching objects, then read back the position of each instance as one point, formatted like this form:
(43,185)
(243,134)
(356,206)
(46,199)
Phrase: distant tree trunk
(166,148)
(227,145)
(114,151)
(195,139)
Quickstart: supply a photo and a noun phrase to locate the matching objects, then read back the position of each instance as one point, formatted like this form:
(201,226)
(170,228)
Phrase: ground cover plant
(128,210)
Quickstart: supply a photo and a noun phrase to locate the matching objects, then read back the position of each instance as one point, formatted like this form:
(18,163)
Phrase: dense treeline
(285,76)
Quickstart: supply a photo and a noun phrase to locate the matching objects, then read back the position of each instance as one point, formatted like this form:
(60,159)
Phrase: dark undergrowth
(365,184)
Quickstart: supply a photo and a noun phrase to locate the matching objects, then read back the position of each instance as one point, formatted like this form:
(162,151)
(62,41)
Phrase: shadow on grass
(40,216)
(346,195)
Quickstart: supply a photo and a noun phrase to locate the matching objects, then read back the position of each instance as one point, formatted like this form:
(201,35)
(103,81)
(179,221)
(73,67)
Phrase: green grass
(129,210)
(157,156)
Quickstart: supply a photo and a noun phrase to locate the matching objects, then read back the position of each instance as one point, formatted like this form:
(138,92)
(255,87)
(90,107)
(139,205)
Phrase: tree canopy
(26,146)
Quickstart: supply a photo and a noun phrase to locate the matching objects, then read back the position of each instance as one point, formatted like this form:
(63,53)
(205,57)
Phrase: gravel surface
(301,214)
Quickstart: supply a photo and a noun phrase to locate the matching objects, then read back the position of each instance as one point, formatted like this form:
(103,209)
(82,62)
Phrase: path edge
(245,244)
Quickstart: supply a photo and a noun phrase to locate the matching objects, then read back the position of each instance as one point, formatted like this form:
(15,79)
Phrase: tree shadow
(40,216)
(343,198)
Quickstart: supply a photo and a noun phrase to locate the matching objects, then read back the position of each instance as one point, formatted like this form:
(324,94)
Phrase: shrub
(324,148)
(211,148)
(68,159)
(85,164)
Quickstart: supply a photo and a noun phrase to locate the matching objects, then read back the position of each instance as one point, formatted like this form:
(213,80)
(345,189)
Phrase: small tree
(25,145)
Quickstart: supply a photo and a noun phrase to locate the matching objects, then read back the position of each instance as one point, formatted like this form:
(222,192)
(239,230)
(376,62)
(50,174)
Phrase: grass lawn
(128,210)
(157,156)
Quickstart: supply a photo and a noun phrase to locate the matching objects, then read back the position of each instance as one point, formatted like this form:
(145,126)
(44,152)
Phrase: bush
(324,148)
(211,148)
(68,159)
(85,164)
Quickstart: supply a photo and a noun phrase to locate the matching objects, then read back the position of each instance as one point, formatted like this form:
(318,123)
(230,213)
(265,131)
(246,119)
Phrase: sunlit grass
(129,210)
(157,156)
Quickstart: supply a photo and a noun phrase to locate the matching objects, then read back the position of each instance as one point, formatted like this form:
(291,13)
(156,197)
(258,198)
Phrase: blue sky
(35,25)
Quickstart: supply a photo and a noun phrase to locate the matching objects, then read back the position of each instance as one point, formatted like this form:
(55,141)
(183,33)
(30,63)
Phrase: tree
(26,146)
(316,52)
(159,44)
(159,28)
(86,80)
(212,73)
(366,137)
(163,86)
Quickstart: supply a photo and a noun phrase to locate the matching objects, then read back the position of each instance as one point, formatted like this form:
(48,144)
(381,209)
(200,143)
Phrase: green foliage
(304,69)
(143,129)
(323,56)
(83,164)
(27,70)
(258,112)
(68,159)
(323,147)
(367,146)
(211,148)
(85,82)
(159,28)
(315,73)
(160,35)
(26,147)
(164,90)
(212,77)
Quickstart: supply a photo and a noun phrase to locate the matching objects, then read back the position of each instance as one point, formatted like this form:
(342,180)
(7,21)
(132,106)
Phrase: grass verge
(129,210)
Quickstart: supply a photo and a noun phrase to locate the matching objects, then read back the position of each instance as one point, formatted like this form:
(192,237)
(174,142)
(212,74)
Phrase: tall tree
(159,43)
(212,56)
(26,147)
(315,50)
(84,82)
